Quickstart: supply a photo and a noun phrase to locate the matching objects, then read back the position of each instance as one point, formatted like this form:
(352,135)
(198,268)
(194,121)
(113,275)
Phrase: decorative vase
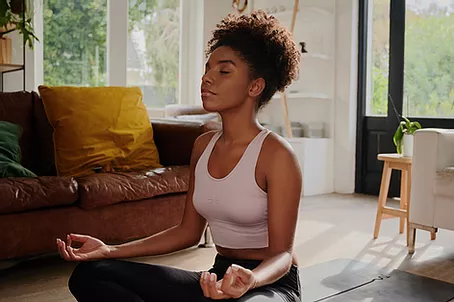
(407,147)
(6,51)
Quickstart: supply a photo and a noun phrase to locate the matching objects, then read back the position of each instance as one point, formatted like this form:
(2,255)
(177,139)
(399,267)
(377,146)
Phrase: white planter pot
(407,148)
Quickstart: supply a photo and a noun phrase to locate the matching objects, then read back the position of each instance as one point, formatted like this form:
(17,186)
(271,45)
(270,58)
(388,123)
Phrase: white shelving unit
(310,98)
(314,158)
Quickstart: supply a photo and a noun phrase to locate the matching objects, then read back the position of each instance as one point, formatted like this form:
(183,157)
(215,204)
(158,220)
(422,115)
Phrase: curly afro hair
(265,45)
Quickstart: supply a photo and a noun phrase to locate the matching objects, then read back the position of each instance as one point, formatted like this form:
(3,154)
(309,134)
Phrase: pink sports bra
(235,207)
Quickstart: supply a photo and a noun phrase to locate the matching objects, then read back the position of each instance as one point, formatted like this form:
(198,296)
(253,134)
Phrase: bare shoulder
(202,142)
(280,166)
(277,149)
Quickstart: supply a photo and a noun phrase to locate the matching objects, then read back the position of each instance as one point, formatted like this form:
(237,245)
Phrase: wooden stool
(397,162)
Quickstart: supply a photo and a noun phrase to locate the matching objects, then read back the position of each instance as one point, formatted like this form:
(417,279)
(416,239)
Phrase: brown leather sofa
(115,207)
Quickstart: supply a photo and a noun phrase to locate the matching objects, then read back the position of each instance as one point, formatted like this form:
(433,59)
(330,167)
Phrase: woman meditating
(245,183)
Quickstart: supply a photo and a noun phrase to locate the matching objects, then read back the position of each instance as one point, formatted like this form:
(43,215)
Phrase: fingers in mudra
(65,250)
(211,287)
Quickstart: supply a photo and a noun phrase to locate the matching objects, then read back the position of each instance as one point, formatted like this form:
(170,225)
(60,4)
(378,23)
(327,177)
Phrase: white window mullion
(35,77)
(117,41)
(191,51)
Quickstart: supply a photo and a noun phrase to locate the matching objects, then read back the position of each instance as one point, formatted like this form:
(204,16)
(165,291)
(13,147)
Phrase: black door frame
(361,91)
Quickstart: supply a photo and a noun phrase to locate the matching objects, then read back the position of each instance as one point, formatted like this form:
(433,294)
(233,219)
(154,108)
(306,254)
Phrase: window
(378,60)
(153,50)
(74,47)
(429,59)
(78,33)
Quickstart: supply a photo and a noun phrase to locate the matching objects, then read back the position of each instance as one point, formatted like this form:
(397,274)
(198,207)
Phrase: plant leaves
(398,136)
(22,24)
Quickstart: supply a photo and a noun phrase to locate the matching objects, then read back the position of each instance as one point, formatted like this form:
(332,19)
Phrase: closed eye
(224,72)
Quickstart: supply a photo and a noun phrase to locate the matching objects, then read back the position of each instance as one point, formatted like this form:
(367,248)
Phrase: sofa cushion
(10,153)
(99,126)
(22,194)
(17,108)
(444,183)
(102,189)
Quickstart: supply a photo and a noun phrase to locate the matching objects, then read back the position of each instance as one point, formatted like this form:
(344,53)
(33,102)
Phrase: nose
(207,78)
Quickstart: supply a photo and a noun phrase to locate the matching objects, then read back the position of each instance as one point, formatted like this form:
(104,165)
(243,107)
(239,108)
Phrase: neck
(239,125)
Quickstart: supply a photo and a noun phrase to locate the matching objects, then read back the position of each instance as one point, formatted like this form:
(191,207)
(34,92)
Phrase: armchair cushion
(432,194)
(444,183)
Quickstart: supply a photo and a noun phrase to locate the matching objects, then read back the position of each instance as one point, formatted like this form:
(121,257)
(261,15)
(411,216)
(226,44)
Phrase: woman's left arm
(284,187)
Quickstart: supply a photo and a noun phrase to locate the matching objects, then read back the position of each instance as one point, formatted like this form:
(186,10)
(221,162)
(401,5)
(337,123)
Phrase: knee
(85,273)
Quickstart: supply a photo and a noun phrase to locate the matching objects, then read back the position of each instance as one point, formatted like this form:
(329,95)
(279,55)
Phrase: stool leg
(433,235)
(403,198)
(411,238)
(410,233)
(384,187)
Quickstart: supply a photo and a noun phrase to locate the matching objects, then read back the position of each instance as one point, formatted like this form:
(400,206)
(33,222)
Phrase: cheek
(235,87)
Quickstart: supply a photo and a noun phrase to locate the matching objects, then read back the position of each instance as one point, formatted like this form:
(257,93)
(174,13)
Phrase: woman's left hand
(236,282)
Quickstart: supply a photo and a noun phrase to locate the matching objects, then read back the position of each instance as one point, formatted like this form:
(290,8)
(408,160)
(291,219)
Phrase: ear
(256,88)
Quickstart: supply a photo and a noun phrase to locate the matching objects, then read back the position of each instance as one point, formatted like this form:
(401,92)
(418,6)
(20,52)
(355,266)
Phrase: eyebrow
(222,62)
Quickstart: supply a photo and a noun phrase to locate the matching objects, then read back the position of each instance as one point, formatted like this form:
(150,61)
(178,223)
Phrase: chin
(210,105)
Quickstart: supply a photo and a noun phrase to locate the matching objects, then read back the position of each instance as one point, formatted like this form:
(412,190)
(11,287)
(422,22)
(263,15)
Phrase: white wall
(345,95)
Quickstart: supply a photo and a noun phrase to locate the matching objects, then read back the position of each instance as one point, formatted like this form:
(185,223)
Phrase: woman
(245,182)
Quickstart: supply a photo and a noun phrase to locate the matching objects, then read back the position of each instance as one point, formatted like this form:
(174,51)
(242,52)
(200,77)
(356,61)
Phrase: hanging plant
(17,15)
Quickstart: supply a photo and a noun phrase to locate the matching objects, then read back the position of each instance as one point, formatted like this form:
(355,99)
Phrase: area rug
(344,280)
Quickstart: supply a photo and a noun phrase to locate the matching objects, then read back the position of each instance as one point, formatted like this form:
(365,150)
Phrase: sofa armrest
(432,152)
(174,139)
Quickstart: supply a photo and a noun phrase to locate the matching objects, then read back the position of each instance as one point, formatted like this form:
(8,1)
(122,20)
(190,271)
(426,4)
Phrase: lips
(206,92)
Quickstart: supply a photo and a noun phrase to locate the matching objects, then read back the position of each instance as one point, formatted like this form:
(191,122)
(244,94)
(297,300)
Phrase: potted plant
(15,15)
(403,138)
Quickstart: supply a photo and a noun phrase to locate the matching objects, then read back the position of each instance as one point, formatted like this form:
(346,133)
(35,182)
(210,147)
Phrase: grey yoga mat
(345,280)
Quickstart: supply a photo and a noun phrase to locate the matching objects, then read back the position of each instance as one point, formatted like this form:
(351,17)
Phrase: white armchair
(432,187)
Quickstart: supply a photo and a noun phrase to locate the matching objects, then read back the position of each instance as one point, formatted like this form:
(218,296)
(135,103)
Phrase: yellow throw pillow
(98,127)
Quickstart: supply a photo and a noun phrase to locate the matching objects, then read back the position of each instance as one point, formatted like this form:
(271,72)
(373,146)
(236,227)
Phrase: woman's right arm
(184,235)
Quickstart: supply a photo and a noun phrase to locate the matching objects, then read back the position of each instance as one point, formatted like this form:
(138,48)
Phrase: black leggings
(119,280)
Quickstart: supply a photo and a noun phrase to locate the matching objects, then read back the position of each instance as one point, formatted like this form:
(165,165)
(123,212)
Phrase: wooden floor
(329,227)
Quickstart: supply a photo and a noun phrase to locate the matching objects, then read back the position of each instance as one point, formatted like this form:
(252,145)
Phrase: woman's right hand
(91,249)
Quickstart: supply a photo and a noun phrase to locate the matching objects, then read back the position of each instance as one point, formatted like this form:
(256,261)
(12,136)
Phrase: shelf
(10,67)
(304,95)
(317,9)
(306,139)
(317,56)
(302,9)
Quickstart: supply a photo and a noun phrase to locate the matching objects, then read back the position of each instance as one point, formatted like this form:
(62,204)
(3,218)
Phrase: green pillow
(10,153)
